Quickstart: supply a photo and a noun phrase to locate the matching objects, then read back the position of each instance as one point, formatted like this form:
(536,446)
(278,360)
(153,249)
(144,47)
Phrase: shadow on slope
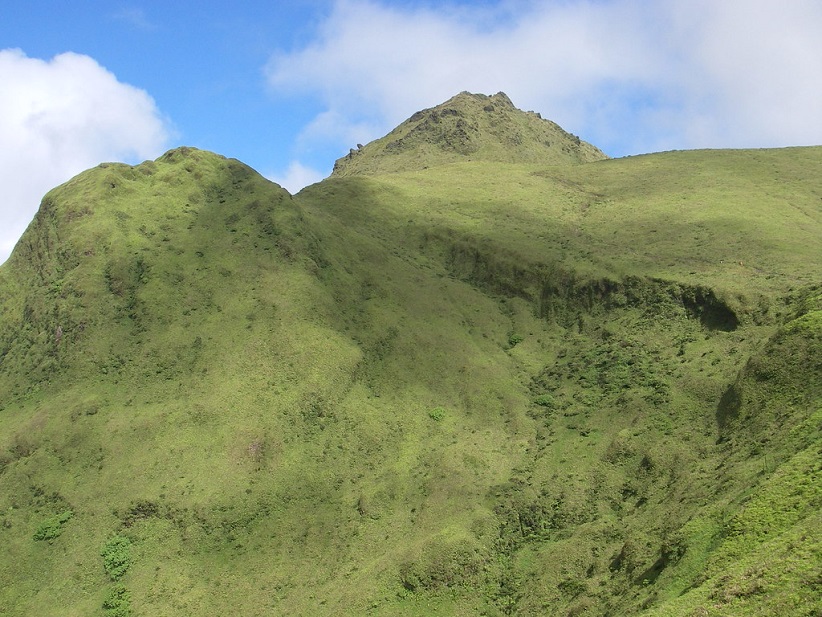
(372,399)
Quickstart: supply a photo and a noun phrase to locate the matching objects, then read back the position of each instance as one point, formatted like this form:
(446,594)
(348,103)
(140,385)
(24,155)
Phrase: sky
(289,87)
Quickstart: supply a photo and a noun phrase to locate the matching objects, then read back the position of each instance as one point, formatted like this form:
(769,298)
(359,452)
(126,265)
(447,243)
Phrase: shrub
(545,400)
(437,414)
(53,527)
(116,554)
(117,602)
(444,563)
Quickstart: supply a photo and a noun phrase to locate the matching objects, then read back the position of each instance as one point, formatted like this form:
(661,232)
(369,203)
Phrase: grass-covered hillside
(440,382)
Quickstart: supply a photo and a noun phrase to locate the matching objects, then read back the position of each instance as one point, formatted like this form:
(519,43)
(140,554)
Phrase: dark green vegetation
(440,382)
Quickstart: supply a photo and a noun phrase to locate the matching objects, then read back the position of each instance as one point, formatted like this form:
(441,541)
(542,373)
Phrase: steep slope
(768,554)
(628,350)
(475,385)
(165,330)
(468,127)
(101,269)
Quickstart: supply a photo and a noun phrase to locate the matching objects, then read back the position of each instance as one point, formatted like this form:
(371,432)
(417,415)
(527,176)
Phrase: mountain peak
(469,98)
(468,127)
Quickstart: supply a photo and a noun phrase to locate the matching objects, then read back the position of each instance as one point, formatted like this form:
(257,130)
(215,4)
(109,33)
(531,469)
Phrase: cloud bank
(629,76)
(296,177)
(59,117)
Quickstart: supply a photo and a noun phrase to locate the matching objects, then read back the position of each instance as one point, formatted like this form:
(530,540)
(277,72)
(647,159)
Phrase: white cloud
(626,74)
(296,177)
(59,117)
(756,71)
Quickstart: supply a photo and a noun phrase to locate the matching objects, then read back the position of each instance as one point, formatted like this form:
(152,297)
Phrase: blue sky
(288,87)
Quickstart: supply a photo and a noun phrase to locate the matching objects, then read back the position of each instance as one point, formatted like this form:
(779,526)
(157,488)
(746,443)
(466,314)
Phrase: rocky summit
(468,127)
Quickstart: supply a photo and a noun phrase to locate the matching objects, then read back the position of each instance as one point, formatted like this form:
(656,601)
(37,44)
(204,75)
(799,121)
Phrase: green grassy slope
(485,387)
(626,353)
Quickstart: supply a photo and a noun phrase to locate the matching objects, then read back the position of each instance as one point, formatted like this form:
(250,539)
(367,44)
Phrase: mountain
(468,126)
(457,377)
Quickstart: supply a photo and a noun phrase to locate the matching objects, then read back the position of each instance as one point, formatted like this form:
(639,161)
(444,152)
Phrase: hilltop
(468,127)
(460,376)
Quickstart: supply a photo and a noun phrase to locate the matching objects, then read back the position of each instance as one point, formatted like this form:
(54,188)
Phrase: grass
(481,387)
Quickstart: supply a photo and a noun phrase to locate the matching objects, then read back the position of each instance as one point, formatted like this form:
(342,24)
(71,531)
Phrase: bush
(116,554)
(117,602)
(545,400)
(53,527)
(444,563)
(437,414)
